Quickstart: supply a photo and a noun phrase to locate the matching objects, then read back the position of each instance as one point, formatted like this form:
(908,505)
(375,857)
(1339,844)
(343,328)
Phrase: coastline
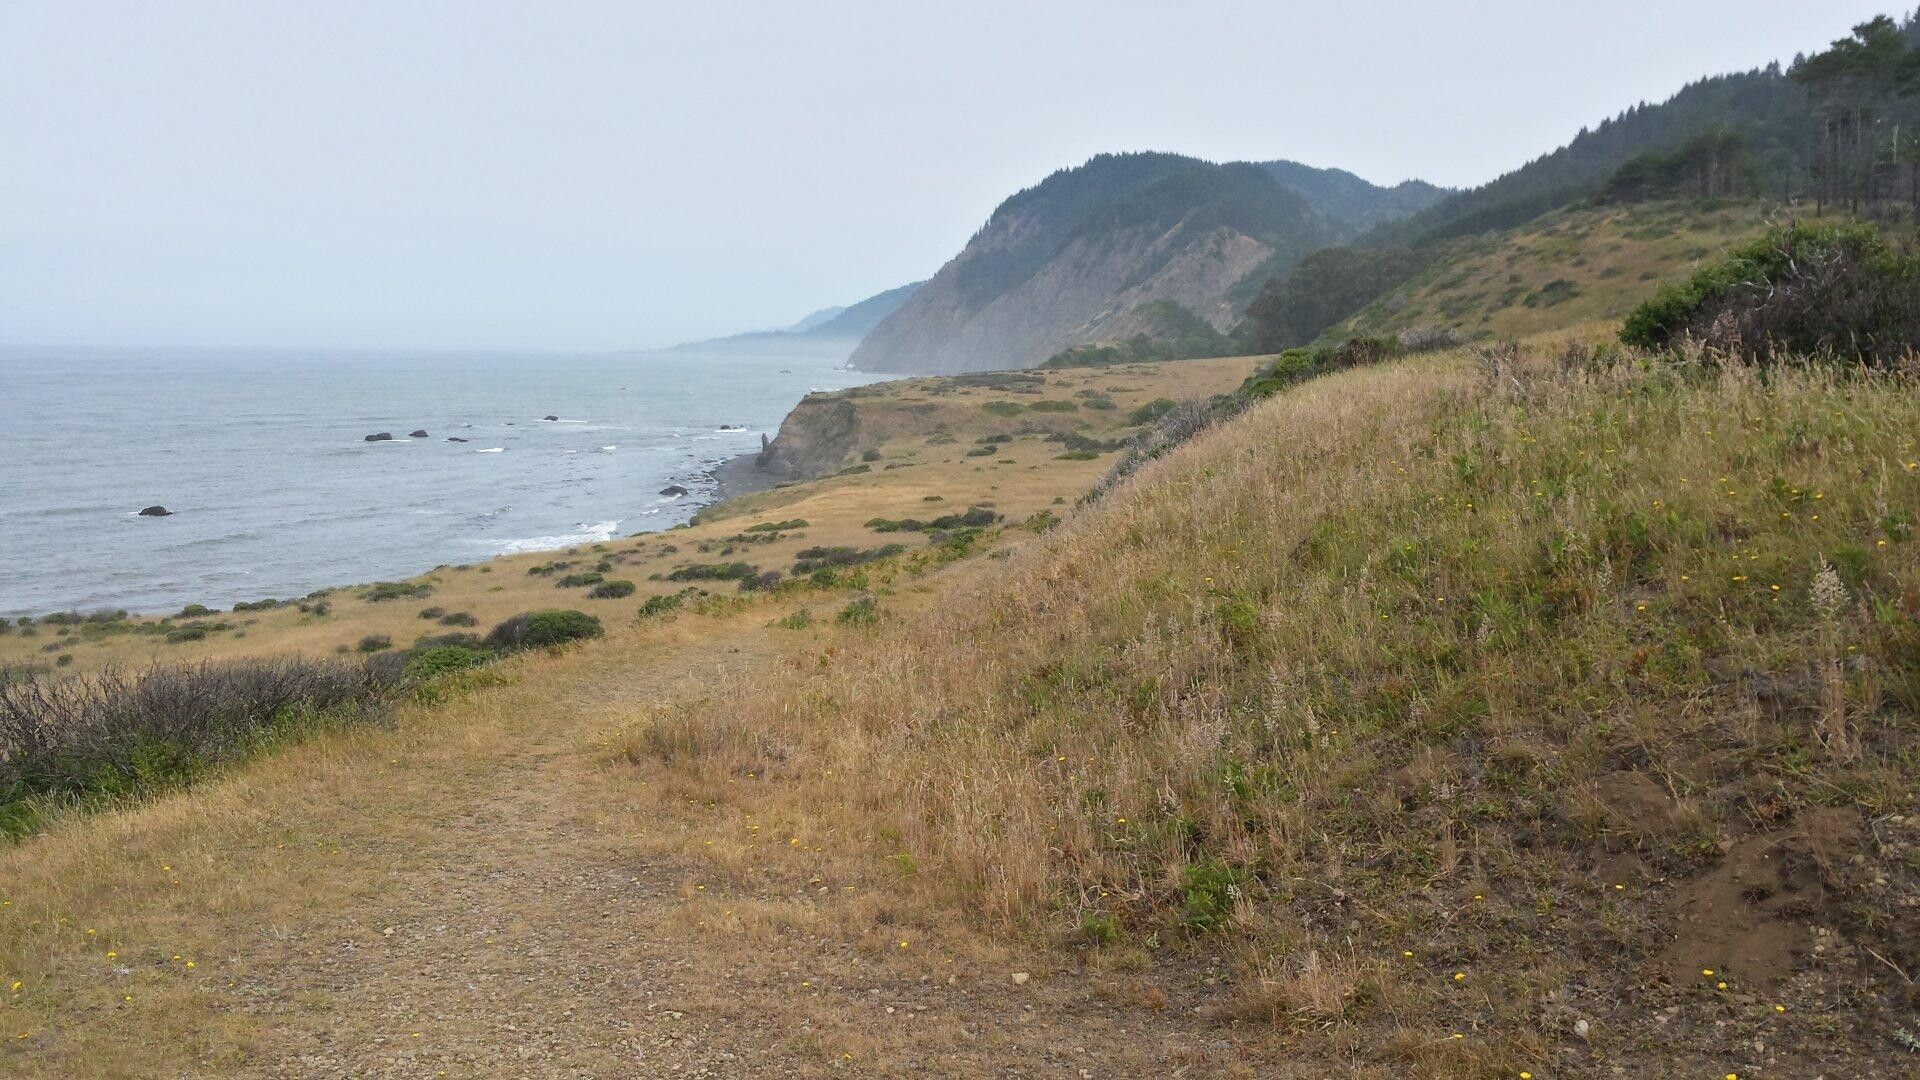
(738,476)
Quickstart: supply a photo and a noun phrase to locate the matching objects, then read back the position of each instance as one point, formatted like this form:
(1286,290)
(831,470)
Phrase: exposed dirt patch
(1751,917)
(1637,803)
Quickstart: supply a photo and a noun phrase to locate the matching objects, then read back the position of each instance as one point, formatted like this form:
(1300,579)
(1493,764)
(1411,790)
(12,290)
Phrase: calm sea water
(261,457)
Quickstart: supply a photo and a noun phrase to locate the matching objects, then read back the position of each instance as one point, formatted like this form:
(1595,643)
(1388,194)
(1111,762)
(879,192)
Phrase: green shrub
(778,526)
(576,581)
(973,517)
(425,664)
(192,611)
(981,451)
(1004,408)
(1207,891)
(660,605)
(610,590)
(375,643)
(432,612)
(257,605)
(1801,291)
(798,620)
(1151,411)
(395,590)
(458,618)
(808,560)
(733,571)
(1054,406)
(539,629)
(864,611)
(1557,291)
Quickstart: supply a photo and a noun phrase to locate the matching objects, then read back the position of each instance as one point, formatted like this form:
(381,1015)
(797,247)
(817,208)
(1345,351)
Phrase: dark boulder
(455,438)
(383,436)
(674,489)
(549,416)
(156,511)
(417,433)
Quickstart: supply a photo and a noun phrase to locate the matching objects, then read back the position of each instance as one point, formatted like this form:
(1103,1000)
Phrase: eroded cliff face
(815,439)
(1070,260)
(1085,293)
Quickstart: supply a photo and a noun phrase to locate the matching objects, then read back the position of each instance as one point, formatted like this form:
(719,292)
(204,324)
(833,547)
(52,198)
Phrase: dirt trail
(475,895)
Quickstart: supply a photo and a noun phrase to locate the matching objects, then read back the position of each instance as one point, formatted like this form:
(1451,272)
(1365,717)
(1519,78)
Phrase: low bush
(610,590)
(778,526)
(864,611)
(425,664)
(540,629)
(432,612)
(576,581)
(733,571)
(1834,291)
(115,734)
(395,590)
(195,610)
(810,559)
(375,643)
(660,605)
(458,618)
(1151,411)
(972,517)
(257,605)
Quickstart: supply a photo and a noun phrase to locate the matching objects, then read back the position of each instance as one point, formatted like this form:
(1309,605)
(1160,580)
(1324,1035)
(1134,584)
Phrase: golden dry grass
(1344,685)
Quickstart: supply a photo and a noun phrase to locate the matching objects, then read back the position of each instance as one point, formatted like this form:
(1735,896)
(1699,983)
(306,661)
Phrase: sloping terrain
(1566,268)
(1494,715)
(1066,262)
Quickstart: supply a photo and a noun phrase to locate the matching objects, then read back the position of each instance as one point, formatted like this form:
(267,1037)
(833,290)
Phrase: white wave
(608,449)
(596,533)
(492,450)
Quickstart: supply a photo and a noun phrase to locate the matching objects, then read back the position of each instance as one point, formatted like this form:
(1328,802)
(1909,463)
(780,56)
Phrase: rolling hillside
(1566,268)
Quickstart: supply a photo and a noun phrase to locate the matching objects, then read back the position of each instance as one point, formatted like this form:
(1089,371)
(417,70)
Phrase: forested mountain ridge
(1070,259)
(1783,119)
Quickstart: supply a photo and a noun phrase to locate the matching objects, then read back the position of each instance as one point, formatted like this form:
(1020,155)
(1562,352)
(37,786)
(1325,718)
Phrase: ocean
(261,457)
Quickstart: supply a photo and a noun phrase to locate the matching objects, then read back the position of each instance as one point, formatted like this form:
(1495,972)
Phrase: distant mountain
(815,319)
(1349,201)
(824,331)
(1077,258)
(859,319)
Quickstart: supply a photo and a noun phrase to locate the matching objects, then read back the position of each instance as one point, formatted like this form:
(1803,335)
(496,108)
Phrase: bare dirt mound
(1754,915)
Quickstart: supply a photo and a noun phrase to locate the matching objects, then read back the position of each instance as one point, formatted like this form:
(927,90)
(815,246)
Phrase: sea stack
(156,511)
(417,433)
(380,436)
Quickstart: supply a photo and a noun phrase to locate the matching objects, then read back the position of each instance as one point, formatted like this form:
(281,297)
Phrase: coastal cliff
(1071,260)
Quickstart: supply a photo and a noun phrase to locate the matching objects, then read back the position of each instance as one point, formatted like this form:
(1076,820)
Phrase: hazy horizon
(595,176)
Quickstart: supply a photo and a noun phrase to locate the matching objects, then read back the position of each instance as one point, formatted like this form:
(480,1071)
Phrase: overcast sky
(615,174)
